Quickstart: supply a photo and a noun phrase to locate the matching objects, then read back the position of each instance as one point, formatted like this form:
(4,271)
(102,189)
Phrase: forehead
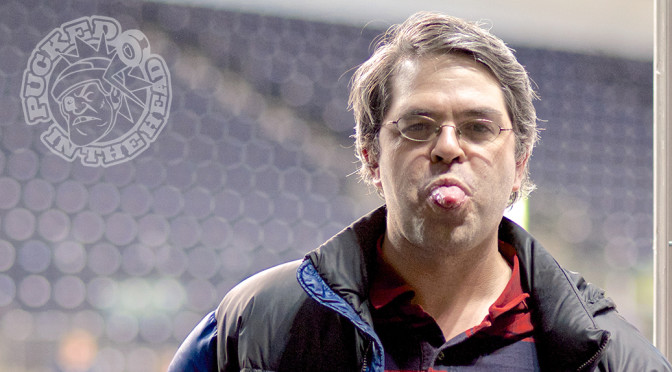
(444,80)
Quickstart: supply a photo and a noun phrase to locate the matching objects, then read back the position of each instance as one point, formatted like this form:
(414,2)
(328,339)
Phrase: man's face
(446,194)
(89,112)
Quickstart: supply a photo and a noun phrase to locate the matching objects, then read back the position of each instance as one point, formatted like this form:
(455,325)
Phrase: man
(436,279)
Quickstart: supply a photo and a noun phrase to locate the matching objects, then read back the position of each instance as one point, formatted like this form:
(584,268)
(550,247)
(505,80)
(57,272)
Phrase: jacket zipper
(365,365)
(317,289)
(597,354)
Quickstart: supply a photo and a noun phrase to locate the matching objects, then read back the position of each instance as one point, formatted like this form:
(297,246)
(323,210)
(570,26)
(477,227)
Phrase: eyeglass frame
(436,133)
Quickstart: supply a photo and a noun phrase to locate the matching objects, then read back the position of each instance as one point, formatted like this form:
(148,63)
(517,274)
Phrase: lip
(448,182)
(448,200)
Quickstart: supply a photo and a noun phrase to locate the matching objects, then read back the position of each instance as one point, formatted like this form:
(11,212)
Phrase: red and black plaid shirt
(413,341)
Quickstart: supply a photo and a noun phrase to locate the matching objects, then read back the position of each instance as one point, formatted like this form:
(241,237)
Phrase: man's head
(432,34)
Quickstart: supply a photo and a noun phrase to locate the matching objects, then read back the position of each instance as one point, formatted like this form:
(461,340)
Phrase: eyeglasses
(422,128)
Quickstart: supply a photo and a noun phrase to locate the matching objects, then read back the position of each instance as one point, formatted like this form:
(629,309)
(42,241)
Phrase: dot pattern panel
(594,171)
(253,170)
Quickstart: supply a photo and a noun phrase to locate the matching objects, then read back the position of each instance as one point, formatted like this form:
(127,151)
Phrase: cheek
(503,166)
(391,173)
(493,177)
(386,158)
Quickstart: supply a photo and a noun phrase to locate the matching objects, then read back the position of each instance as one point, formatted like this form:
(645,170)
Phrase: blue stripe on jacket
(317,289)
(198,352)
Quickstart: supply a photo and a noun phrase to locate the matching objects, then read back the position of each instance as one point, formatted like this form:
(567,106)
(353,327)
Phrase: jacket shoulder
(628,349)
(593,296)
(255,317)
(264,283)
(259,295)
(575,323)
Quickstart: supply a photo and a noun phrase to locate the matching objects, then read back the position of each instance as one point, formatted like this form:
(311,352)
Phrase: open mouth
(448,197)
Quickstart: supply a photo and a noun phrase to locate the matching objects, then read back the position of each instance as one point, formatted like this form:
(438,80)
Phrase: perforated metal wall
(119,263)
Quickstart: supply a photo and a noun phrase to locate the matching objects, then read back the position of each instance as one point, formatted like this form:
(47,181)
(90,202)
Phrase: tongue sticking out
(448,196)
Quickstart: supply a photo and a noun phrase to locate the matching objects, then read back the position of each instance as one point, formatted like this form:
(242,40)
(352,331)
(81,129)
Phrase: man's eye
(478,127)
(417,123)
(418,127)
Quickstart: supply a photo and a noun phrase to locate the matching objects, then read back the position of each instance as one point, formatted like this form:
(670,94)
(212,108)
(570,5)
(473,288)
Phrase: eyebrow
(486,112)
(420,112)
(474,112)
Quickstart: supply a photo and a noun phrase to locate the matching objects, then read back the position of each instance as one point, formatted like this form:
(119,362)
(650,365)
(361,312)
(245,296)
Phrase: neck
(455,288)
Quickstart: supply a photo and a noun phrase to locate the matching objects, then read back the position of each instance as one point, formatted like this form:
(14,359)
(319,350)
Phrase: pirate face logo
(90,112)
(101,92)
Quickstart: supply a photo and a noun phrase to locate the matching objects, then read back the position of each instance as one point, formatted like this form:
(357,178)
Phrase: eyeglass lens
(423,128)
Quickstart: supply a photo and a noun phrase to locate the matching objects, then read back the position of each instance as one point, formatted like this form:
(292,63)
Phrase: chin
(453,234)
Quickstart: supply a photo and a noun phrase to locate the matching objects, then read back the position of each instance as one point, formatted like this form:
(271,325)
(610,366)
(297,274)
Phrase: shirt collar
(387,285)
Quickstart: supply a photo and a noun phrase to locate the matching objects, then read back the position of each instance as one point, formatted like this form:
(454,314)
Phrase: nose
(446,147)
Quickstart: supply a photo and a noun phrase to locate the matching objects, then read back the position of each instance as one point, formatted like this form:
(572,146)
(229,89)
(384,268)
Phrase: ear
(520,171)
(372,167)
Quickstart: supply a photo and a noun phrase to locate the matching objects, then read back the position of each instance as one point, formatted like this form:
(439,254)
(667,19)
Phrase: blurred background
(109,268)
